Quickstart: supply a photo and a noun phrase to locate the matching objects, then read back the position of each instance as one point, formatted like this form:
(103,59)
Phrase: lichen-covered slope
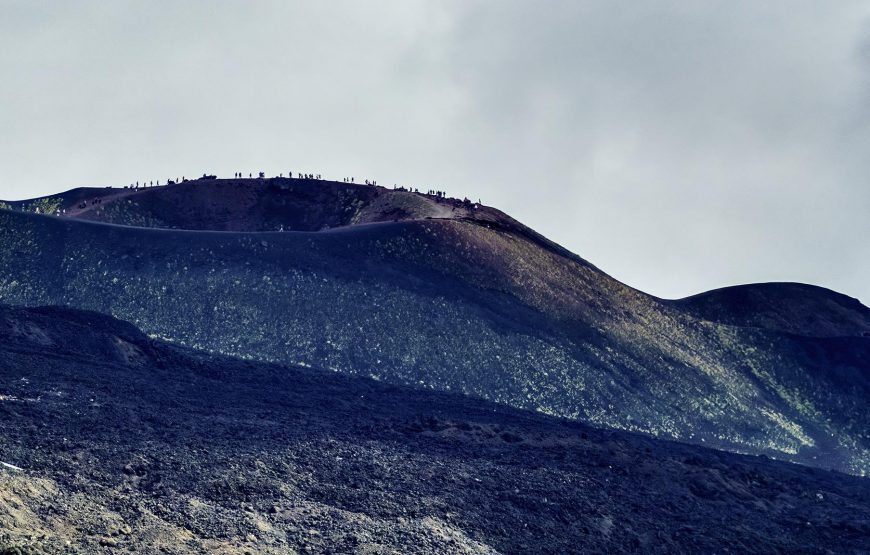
(474,303)
(119,443)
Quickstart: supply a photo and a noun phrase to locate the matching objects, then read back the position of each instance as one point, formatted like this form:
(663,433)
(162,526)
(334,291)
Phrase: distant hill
(440,294)
(787,307)
(115,442)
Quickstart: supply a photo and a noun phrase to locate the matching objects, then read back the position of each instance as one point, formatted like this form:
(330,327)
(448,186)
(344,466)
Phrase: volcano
(448,295)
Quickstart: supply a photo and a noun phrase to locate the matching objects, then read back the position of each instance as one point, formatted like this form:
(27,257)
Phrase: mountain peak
(258,204)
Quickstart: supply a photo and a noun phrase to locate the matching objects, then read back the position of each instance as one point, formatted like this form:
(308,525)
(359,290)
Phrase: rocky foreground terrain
(114,442)
(441,294)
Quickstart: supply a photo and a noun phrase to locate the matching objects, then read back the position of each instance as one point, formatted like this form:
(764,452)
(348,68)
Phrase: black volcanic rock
(123,443)
(467,300)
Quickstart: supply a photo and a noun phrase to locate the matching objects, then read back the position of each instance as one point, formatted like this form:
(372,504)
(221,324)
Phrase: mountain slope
(474,303)
(130,444)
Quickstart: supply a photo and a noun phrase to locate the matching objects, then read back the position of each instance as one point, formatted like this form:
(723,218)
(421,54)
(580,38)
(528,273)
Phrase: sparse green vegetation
(46,205)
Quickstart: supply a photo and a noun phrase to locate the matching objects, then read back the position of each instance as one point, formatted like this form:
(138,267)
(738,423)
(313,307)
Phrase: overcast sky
(680,146)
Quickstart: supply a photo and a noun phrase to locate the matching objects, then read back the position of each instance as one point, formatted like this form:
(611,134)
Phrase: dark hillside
(121,443)
(477,307)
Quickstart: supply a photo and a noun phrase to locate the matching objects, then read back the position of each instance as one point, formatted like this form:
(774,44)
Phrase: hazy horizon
(680,148)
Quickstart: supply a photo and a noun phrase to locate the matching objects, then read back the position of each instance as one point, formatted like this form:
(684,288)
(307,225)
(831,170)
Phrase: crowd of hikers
(438,194)
(299,175)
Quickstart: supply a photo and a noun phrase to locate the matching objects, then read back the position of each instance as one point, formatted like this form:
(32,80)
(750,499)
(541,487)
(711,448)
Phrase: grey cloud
(685,147)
